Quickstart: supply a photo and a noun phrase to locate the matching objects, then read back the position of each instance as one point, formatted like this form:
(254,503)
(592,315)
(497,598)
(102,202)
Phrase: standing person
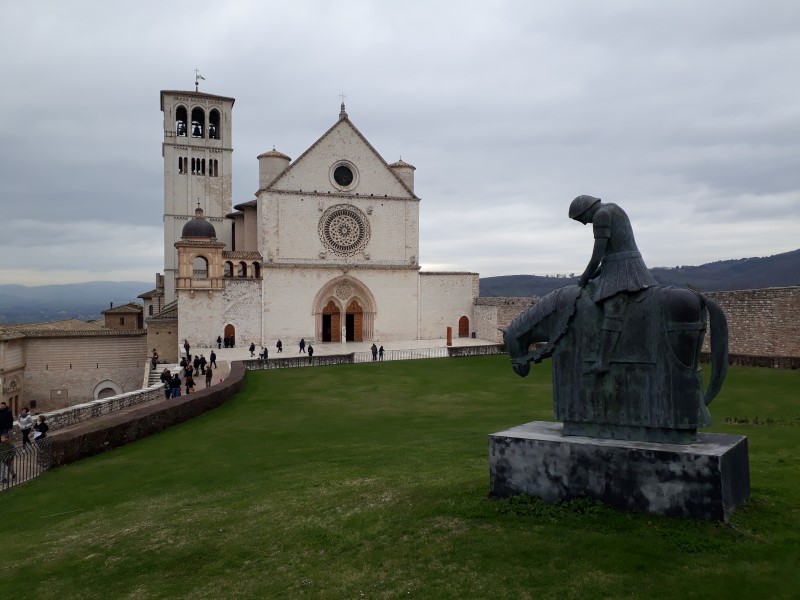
(209,375)
(302,345)
(189,384)
(219,342)
(6,418)
(176,385)
(212,359)
(310,352)
(380,353)
(186,347)
(196,364)
(374,349)
(616,267)
(279,346)
(25,425)
(154,359)
(252,349)
(7,453)
(203,364)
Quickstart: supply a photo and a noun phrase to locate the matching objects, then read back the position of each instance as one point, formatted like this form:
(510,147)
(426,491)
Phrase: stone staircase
(155,375)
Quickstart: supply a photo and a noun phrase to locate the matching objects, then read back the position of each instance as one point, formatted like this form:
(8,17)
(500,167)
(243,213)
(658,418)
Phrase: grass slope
(370,481)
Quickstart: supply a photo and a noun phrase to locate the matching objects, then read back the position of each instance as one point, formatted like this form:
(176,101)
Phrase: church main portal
(344,312)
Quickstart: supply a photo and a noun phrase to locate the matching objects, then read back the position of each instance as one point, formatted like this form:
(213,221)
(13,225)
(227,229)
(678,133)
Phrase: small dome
(400,164)
(274,154)
(199,227)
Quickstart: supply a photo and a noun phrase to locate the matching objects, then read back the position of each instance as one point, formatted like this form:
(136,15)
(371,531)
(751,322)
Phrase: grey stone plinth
(706,479)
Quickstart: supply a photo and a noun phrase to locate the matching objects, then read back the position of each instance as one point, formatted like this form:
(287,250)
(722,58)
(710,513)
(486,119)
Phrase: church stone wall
(63,371)
(342,143)
(444,299)
(493,313)
(763,322)
(242,301)
(200,315)
(290,229)
(290,293)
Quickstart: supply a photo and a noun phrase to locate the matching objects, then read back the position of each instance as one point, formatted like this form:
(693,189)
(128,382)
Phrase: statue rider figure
(616,266)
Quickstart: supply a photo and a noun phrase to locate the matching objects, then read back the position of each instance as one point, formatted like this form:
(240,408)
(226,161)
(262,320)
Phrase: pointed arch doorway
(344,310)
(331,323)
(354,322)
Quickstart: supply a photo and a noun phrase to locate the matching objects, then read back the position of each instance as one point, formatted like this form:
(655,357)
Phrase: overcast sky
(685,113)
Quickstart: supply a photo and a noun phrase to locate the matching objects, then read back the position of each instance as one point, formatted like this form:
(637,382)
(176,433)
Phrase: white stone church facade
(328,250)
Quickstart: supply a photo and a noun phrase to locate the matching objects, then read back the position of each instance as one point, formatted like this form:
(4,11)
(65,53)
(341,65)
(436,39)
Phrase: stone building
(328,250)
(53,365)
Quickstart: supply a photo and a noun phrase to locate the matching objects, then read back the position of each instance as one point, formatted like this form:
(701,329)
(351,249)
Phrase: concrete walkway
(291,350)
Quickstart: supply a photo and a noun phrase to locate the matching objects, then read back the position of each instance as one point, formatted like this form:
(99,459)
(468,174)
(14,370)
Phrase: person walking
(212,359)
(189,384)
(302,345)
(25,425)
(203,363)
(380,353)
(279,346)
(310,352)
(252,349)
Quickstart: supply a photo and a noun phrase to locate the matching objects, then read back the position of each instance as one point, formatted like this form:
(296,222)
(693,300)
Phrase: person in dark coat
(176,385)
(219,342)
(252,349)
(212,359)
(6,418)
(279,346)
(302,345)
(310,352)
(186,347)
(203,364)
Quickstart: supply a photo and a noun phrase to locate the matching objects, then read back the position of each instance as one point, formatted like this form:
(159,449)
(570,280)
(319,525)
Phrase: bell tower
(197,153)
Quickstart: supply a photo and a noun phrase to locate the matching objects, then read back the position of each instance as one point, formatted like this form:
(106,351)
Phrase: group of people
(377,353)
(27,424)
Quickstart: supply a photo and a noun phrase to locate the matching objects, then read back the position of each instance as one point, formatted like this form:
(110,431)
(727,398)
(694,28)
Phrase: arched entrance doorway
(331,323)
(463,327)
(230,336)
(344,310)
(354,322)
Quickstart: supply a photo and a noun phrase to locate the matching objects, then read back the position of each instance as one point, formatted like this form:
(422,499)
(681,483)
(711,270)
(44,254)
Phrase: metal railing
(24,463)
(362,357)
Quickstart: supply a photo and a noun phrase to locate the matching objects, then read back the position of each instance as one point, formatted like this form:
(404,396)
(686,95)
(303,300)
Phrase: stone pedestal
(706,479)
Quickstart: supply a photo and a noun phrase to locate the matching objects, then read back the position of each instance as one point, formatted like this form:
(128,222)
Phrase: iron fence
(362,357)
(24,463)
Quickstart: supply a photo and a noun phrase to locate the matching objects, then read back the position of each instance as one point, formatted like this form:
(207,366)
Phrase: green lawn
(371,481)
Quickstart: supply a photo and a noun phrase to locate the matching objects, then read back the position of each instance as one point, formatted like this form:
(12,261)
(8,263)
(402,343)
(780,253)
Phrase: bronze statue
(625,350)
(616,265)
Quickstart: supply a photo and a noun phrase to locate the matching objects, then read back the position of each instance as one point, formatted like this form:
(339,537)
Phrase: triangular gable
(343,141)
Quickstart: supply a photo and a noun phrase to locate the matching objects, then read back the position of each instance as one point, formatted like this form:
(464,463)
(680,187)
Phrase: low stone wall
(297,361)
(115,430)
(746,360)
(460,351)
(72,415)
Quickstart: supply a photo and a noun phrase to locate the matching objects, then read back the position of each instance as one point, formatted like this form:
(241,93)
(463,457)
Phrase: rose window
(344,229)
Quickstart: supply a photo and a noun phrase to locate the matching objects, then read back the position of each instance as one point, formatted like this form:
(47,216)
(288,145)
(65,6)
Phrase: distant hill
(779,270)
(85,301)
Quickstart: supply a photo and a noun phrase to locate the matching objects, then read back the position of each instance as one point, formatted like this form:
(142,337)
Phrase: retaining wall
(115,430)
